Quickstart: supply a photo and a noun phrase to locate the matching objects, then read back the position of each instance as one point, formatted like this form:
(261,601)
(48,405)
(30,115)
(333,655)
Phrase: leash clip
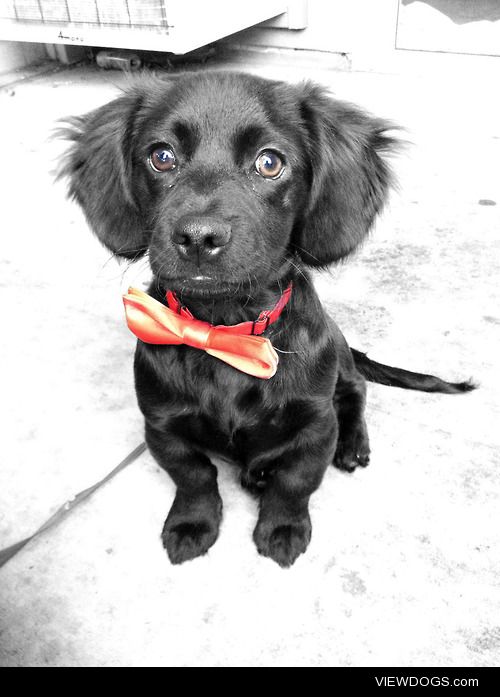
(263,319)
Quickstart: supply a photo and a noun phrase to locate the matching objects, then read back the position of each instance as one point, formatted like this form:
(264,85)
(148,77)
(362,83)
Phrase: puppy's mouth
(202,286)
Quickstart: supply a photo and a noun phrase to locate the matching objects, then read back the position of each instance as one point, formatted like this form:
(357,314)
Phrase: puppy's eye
(269,164)
(162,159)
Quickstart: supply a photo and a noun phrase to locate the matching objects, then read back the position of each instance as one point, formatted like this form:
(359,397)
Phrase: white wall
(365,29)
(14,55)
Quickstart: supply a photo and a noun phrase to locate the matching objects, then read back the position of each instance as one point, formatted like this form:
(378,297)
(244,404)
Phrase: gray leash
(62,512)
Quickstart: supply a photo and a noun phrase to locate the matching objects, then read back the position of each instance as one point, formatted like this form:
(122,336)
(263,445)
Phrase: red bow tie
(238,345)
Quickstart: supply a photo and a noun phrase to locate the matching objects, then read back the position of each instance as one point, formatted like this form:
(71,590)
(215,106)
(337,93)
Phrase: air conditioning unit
(176,26)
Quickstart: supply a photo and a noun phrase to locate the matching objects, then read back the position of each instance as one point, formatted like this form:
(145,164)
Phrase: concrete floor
(403,567)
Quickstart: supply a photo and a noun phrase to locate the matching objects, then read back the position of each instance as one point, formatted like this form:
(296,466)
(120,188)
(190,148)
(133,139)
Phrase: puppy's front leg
(192,525)
(283,530)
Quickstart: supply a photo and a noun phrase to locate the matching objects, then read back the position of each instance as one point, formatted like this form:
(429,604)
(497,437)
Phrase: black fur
(214,216)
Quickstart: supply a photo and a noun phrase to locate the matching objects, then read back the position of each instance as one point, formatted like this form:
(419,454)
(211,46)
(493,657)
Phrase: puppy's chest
(219,409)
(230,413)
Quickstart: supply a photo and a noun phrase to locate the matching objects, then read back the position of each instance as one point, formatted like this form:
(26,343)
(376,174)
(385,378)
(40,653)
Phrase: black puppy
(234,185)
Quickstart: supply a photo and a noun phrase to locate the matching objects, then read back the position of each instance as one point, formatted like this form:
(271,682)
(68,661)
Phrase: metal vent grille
(129,14)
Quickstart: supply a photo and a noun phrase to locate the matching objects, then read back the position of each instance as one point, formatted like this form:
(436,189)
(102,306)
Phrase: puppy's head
(222,177)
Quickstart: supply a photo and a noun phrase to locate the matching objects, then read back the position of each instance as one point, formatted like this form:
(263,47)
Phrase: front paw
(284,541)
(188,534)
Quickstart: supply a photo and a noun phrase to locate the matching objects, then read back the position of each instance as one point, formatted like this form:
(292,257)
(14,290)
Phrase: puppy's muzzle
(200,239)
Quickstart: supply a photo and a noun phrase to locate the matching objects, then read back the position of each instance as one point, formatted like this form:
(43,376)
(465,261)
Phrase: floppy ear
(98,167)
(349,178)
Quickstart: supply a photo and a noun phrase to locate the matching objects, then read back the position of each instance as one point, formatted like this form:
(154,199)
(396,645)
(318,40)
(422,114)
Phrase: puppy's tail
(397,377)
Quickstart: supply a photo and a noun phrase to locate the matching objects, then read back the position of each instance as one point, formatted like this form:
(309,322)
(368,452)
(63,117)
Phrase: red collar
(258,326)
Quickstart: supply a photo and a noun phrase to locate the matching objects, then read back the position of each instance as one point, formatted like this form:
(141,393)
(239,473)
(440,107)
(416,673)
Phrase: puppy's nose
(200,239)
